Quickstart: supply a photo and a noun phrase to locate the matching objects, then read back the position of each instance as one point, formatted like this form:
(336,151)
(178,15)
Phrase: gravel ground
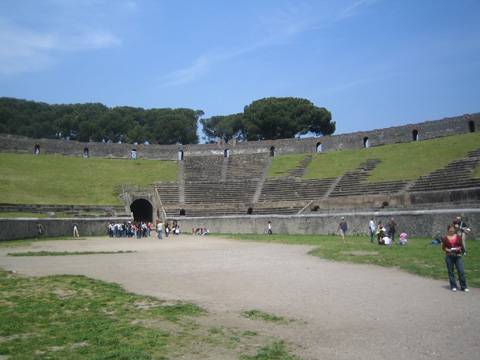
(342,311)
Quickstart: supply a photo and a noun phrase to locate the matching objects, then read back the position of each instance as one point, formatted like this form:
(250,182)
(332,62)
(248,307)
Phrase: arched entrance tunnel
(142,210)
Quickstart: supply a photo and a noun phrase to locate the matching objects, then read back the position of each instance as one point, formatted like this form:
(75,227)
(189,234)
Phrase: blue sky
(372,63)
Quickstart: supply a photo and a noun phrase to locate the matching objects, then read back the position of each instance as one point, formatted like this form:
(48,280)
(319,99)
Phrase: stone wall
(425,223)
(426,130)
(11,229)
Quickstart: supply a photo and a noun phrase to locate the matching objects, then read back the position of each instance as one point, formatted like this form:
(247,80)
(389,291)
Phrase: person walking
(269,228)
(372,229)
(452,245)
(343,227)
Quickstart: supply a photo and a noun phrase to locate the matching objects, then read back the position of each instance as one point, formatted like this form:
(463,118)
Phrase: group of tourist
(142,229)
(168,229)
(130,229)
(385,234)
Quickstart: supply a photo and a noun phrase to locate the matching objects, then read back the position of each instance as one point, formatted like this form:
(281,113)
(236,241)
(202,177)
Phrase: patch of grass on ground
(74,317)
(275,351)
(406,161)
(20,214)
(65,253)
(261,315)
(418,257)
(61,317)
(53,215)
(53,179)
(281,165)
(24,242)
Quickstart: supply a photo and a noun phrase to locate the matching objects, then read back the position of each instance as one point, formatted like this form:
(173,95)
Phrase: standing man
(75,231)
(372,228)
(159,230)
(343,227)
(269,228)
(391,229)
(40,230)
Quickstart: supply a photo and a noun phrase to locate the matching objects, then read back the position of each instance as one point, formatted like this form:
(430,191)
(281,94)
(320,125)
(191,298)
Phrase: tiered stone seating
(241,173)
(174,212)
(200,168)
(217,186)
(168,192)
(355,183)
(246,166)
(215,192)
(276,209)
(456,175)
(293,189)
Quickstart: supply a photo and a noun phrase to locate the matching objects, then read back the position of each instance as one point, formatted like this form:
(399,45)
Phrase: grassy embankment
(57,180)
(418,257)
(406,161)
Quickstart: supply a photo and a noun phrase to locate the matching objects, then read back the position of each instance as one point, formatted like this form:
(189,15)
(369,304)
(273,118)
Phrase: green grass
(261,315)
(61,317)
(20,214)
(29,241)
(418,257)
(51,179)
(405,161)
(476,173)
(284,163)
(275,351)
(74,317)
(54,215)
(66,253)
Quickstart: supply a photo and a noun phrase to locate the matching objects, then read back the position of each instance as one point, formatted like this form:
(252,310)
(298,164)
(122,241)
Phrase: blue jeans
(451,262)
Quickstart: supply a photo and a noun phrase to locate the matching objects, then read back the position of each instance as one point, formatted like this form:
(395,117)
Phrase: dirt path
(343,311)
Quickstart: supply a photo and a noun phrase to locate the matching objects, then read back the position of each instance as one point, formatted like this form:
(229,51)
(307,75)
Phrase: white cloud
(190,73)
(278,28)
(25,50)
(374,77)
(355,8)
(90,40)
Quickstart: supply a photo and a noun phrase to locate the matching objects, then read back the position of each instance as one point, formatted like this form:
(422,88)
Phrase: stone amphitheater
(225,186)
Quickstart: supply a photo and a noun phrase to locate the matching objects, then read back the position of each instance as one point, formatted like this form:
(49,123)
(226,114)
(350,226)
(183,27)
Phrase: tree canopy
(271,118)
(96,122)
(264,119)
(224,127)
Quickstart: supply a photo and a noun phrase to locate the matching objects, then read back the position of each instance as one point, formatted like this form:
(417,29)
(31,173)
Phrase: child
(403,239)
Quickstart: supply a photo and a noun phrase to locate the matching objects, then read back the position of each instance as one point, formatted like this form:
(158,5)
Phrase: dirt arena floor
(341,311)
